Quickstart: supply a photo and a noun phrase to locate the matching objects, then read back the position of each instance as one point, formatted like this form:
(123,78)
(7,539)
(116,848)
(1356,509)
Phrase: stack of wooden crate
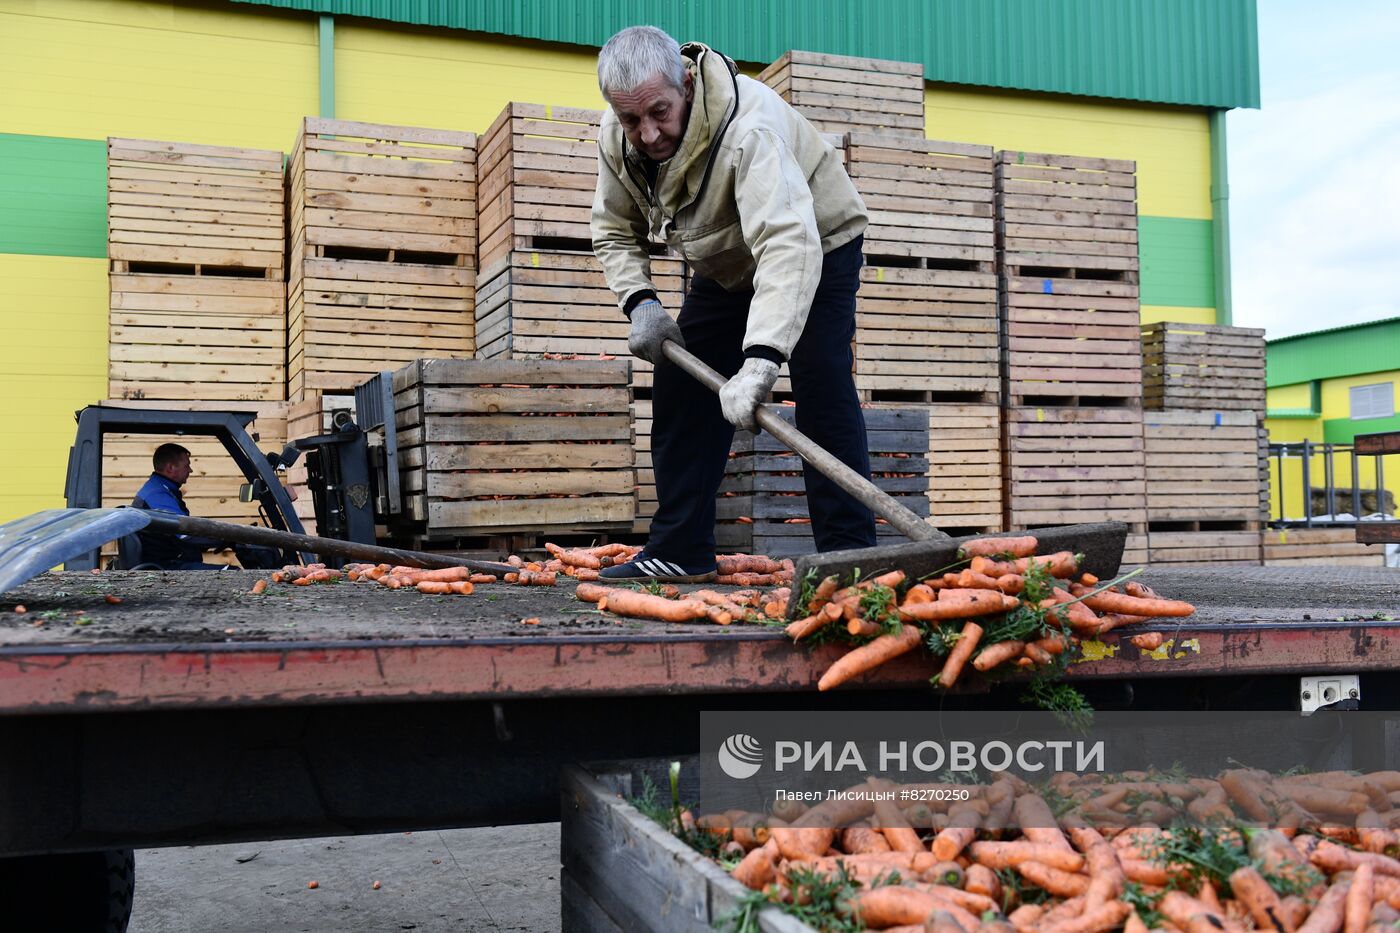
(212,489)
(494,446)
(383,250)
(540,290)
(1202,486)
(762,506)
(926,315)
(1203,366)
(197,299)
(1203,386)
(1071,350)
(837,93)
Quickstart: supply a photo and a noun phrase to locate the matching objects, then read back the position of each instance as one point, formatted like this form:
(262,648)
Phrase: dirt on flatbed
(204,607)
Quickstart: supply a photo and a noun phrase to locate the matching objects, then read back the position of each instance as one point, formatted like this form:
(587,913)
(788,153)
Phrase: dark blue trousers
(690,438)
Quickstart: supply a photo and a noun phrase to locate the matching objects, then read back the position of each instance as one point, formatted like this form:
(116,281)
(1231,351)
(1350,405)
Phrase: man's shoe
(647,569)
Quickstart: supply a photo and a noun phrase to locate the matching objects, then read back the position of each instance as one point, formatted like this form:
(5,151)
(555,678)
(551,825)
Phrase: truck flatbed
(183,640)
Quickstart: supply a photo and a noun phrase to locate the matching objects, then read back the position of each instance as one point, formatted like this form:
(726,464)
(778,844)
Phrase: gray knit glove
(651,327)
(741,396)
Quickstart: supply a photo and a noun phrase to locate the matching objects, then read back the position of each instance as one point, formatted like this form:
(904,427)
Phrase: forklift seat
(129,546)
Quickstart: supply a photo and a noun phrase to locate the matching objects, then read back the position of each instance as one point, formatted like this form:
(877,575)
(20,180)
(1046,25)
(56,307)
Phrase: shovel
(1100,543)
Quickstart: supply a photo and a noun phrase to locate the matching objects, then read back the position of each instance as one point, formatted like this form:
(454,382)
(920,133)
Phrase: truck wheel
(85,892)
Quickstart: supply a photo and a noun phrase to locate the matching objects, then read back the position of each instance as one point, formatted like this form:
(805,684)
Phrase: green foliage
(807,589)
(1145,904)
(1017,890)
(651,805)
(877,605)
(1204,853)
(825,902)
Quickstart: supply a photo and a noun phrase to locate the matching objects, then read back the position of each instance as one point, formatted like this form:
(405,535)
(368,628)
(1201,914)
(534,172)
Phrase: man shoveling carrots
(760,207)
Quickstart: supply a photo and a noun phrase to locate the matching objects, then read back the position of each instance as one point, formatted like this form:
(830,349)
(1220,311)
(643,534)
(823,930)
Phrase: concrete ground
(492,879)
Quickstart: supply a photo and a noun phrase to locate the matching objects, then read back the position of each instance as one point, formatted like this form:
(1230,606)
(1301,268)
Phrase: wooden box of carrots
(762,506)
(492,446)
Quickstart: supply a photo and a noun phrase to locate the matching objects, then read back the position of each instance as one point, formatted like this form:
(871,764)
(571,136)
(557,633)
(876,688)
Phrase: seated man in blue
(162,493)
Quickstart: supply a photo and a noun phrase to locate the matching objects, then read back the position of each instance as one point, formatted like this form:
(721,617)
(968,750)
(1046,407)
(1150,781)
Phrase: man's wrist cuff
(765,353)
(637,298)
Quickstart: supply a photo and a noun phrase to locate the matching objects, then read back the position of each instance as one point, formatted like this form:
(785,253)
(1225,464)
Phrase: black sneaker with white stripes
(646,568)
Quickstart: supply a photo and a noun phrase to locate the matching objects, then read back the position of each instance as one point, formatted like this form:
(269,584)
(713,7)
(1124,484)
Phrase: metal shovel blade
(1101,543)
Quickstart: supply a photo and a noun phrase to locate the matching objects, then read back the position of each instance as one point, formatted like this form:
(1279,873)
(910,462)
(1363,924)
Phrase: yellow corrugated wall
(54,362)
(217,74)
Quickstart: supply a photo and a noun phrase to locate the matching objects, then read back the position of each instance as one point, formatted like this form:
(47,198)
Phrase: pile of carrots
(669,605)
(1310,853)
(892,615)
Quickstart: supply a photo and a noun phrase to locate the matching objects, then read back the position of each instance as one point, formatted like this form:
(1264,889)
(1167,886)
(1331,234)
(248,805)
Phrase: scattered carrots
(259,587)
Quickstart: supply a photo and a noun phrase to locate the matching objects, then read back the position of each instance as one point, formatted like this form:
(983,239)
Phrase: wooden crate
(623,872)
(646,475)
(1067,235)
(177,337)
(546,301)
(212,489)
(1135,551)
(1202,466)
(1265,496)
(1205,548)
(494,446)
(1068,465)
(349,319)
(965,467)
(839,92)
(1334,547)
(539,169)
(383,250)
(1203,366)
(763,482)
(927,307)
(194,210)
(195,244)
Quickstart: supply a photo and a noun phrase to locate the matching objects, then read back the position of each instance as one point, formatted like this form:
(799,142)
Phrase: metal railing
(1308,451)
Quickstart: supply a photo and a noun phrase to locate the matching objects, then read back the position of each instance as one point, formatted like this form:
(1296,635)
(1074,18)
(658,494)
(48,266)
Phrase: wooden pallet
(927,199)
(838,92)
(349,319)
(1335,547)
(1067,465)
(496,445)
(1202,465)
(1135,550)
(539,169)
(1205,548)
(965,467)
(383,248)
(1203,366)
(205,337)
(212,489)
(371,191)
(764,482)
(1265,497)
(181,208)
(646,475)
(534,302)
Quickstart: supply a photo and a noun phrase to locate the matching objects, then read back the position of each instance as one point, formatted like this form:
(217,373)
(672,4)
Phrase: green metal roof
(1202,53)
(1353,350)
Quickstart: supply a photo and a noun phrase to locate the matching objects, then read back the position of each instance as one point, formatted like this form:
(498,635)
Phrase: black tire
(85,892)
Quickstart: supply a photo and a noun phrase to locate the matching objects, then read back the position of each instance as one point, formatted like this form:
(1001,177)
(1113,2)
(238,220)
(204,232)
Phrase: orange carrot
(999,855)
(1189,914)
(823,592)
(858,839)
(1038,824)
(1358,902)
(994,654)
(959,604)
(1060,564)
(1329,914)
(637,605)
(960,831)
(870,656)
(1137,606)
(1147,641)
(591,592)
(479,578)
(1057,882)
(893,905)
(979,879)
(1023,546)
(1098,919)
(802,628)
(259,587)
(968,580)
(759,867)
(1333,858)
(961,651)
(862,628)
(1081,618)
(460,587)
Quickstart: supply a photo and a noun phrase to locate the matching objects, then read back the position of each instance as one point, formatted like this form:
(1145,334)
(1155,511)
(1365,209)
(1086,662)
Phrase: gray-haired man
(759,205)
